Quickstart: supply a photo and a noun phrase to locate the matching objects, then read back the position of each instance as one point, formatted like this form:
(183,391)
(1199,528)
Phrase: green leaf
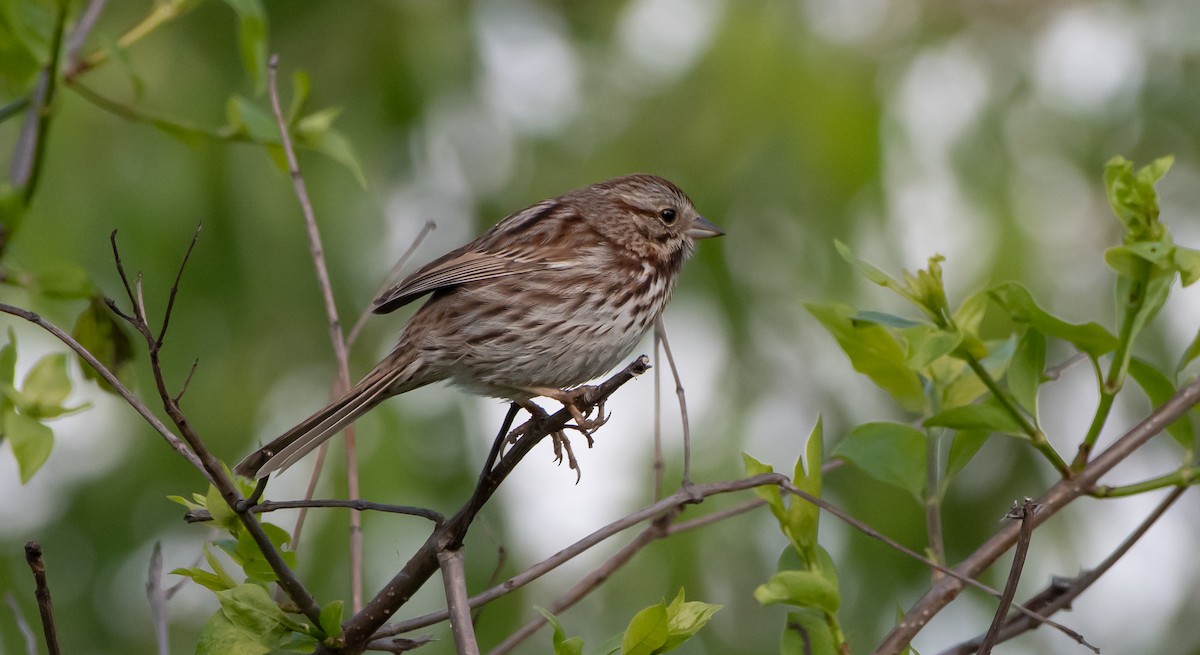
(333,144)
(960,385)
(800,588)
(1028,370)
(331,619)
(65,281)
(988,416)
(98,331)
(803,517)
(301,86)
(226,580)
(647,631)
(221,637)
(867,269)
(252,38)
(8,371)
(964,446)
(807,633)
(205,579)
(562,645)
(1091,338)
(874,353)
(1187,262)
(1159,390)
(769,493)
(927,343)
(249,119)
(250,607)
(185,502)
(685,619)
(31,442)
(1132,196)
(886,320)
(45,388)
(892,453)
(223,516)
(1189,354)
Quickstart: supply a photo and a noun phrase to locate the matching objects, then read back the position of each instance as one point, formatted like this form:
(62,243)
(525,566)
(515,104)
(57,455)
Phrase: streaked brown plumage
(549,298)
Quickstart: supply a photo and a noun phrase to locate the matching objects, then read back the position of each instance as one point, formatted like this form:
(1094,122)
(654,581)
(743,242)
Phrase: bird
(550,297)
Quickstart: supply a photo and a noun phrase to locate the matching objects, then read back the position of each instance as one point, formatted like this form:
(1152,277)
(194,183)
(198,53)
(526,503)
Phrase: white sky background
(1086,61)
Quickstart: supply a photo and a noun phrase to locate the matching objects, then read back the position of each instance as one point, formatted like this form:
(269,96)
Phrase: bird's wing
(454,268)
(509,248)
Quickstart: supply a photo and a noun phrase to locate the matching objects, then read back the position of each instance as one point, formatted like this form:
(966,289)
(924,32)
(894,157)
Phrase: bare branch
(1023,513)
(33,557)
(200,515)
(388,280)
(1060,593)
(667,505)
(656,530)
(162,331)
(1057,497)
(173,441)
(660,334)
(361,628)
(83,27)
(454,578)
(336,336)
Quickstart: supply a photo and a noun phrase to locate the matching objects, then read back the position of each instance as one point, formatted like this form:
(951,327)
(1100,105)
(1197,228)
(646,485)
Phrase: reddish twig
(660,335)
(1024,513)
(1062,592)
(33,557)
(336,337)
(1060,495)
(138,406)
(215,471)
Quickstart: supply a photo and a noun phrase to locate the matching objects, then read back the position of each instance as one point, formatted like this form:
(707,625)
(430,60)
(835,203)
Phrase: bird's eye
(667,215)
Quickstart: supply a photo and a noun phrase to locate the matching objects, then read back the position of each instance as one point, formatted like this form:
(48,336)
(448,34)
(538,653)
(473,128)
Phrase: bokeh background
(904,128)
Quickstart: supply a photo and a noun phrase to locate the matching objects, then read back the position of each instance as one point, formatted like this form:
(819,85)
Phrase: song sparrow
(550,297)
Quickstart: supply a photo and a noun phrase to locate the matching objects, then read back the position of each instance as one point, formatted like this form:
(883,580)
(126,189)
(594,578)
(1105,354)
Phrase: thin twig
(172,440)
(215,471)
(1060,593)
(454,578)
(336,336)
(200,515)
(655,531)
(787,485)
(33,557)
(83,27)
(660,333)
(678,499)
(361,628)
(172,294)
(157,594)
(1024,513)
(1054,372)
(428,227)
(399,644)
(1057,497)
(659,465)
(22,625)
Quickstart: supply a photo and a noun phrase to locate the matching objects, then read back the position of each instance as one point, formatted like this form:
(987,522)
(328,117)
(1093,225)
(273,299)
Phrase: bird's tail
(398,373)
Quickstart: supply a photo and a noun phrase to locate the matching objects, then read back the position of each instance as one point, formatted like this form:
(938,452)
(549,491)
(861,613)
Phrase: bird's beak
(702,229)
